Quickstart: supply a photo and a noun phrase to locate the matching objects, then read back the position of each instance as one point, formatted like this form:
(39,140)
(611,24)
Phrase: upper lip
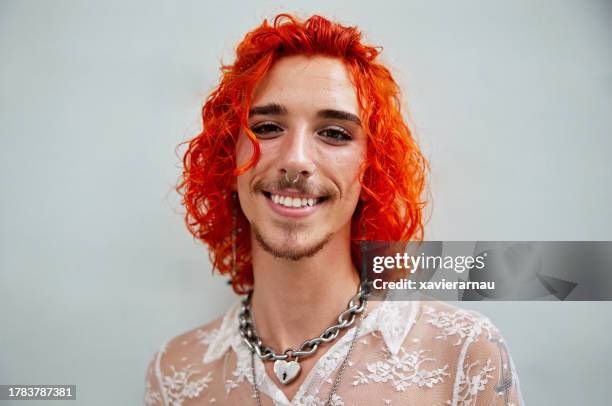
(293,193)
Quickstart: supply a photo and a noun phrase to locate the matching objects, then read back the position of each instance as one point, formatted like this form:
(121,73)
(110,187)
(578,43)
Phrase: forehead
(316,82)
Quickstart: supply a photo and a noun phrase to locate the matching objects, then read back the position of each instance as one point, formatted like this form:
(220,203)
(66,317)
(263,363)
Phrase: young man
(304,153)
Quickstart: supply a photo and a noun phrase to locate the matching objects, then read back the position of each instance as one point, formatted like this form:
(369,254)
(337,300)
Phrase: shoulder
(464,336)
(449,322)
(439,325)
(472,346)
(432,323)
(178,371)
(443,331)
(189,348)
(201,345)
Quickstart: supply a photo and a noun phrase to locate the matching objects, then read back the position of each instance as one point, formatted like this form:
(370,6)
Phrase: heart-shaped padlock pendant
(285,371)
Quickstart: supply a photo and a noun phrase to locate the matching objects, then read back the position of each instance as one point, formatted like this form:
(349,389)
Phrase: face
(305,187)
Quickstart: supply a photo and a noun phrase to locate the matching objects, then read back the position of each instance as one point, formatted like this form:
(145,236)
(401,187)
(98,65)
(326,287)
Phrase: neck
(296,300)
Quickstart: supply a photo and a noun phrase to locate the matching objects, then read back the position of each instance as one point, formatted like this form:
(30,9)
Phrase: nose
(296,155)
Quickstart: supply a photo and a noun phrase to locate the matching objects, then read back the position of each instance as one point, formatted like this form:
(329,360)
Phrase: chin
(285,249)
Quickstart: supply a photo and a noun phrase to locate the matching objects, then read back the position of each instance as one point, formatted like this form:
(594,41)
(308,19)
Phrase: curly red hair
(390,206)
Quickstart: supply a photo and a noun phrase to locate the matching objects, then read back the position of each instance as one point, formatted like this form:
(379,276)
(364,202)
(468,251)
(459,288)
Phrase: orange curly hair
(390,206)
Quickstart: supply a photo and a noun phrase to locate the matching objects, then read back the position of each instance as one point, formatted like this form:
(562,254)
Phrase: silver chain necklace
(332,392)
(286,371)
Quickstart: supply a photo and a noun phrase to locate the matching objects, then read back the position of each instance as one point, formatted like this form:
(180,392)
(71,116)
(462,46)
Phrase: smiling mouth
(295,202)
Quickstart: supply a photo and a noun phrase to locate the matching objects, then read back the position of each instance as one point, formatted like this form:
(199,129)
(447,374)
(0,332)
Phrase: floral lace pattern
(207,337)
(151,396)
(473,379)
(459,323)
(329,363)
(428,352)
(403,371)
(241,374)
(312,400)
(179,387)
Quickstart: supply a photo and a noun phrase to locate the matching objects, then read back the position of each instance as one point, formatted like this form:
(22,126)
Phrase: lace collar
(393,319)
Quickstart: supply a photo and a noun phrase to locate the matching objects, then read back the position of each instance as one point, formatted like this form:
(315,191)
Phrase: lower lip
(293,212)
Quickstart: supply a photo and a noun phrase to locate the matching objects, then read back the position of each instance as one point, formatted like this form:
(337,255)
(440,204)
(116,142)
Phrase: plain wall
(511,102)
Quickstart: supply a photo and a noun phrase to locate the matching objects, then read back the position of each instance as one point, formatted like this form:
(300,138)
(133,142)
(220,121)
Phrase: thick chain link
(332,393)
(345,319)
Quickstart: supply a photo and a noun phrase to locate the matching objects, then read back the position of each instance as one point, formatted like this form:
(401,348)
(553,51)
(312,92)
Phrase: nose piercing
(297,176)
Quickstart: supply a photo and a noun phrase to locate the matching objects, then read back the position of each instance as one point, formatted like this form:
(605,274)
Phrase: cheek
(355,191)
(348,166)
(354,172)
(347,172)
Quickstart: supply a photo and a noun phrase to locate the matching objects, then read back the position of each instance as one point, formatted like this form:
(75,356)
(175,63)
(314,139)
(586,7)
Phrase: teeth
(295,202)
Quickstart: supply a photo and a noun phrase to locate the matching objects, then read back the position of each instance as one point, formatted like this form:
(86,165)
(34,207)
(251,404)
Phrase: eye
(335,135)
(266,130)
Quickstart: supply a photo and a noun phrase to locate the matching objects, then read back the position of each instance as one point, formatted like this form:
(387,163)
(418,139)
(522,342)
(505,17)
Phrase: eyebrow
(275,109)
(271,109)
(340,115)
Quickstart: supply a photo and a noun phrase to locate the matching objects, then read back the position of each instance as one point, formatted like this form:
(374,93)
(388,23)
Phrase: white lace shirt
(407,353)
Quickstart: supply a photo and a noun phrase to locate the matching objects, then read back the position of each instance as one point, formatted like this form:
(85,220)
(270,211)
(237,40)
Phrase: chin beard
(291,254)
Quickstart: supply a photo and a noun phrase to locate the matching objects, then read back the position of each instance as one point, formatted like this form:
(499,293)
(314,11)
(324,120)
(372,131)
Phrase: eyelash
(340,135)
(257,129)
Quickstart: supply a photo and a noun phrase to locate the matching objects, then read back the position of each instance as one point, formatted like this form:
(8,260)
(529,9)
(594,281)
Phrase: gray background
(511,102)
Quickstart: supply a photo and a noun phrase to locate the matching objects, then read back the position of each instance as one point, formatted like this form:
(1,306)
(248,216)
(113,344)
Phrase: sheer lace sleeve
(177,374)
(485,372)
(152,393)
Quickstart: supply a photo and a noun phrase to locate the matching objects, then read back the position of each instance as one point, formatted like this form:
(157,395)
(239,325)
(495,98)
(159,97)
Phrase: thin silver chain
(332,392)
(339,375)
(255,389)
(345,320)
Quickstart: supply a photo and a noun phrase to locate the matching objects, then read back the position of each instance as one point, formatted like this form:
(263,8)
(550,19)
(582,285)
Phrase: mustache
(302,185)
